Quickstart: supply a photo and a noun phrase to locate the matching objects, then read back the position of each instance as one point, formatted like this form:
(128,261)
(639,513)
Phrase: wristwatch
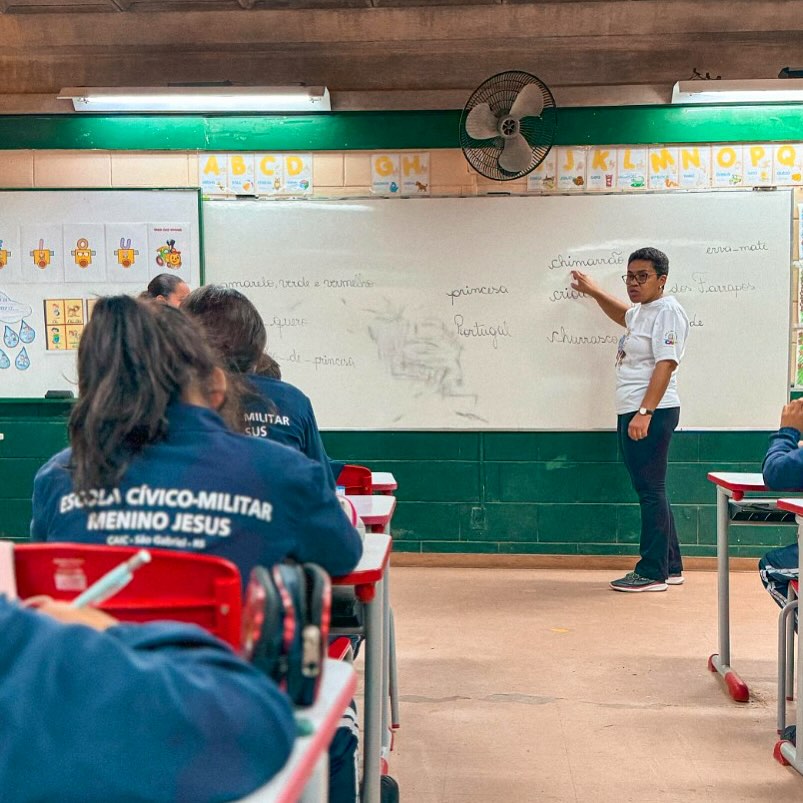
(645,411)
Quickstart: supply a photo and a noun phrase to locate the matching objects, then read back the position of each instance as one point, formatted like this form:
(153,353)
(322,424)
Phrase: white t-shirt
(655,331)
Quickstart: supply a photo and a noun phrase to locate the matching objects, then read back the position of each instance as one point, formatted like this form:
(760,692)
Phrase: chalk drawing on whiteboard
(424,351)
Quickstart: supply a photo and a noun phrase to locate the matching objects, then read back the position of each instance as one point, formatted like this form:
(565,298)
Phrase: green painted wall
(482,492)
(549,493)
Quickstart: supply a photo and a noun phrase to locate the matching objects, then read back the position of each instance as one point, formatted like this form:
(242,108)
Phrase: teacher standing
(647,406)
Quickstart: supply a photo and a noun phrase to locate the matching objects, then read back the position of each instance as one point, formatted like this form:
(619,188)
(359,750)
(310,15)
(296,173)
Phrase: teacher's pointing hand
(582,282)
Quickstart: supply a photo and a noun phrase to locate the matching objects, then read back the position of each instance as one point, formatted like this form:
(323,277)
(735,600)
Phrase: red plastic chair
(355,479)
(180,586)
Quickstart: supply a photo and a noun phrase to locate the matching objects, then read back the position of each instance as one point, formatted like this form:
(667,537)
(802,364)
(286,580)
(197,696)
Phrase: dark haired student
(167,288)
(149,456)
(94,711)
(274,409)
(151,463)
(647,405)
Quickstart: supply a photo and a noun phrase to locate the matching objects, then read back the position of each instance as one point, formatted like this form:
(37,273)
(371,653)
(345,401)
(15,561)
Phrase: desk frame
(370,581)
(786,752)
(730,485)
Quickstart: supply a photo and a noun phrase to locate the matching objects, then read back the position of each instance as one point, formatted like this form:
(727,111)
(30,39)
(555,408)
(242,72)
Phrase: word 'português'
(482,330)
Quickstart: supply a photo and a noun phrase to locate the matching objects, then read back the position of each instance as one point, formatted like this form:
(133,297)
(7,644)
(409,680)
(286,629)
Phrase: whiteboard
(457,313)
(60,250)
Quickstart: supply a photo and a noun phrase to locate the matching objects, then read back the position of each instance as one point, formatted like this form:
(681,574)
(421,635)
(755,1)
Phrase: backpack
(285,626)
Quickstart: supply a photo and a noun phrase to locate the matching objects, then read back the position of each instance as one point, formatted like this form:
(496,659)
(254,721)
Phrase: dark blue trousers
(646,462)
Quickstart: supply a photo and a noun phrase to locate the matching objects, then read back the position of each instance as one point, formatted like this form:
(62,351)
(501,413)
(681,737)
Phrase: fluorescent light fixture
(198,99)
(772,90)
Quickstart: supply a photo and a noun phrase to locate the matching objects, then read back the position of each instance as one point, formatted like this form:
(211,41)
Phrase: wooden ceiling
(392,53)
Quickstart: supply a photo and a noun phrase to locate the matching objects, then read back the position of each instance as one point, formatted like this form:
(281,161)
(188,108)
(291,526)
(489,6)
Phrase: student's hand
(63,612)
(583,283)
(638,427)
(792,415)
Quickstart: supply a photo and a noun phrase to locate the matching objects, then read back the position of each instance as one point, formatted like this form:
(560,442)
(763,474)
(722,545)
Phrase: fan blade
(481,122)
(516,155)
(528,103)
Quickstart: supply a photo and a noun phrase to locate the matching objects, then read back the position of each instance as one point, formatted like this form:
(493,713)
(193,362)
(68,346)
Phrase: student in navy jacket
(274,409)
(94,711)
(783,471)
(152,464)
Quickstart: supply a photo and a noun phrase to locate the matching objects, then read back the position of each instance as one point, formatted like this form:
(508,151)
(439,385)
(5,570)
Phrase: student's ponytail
(123,391)
(134,360)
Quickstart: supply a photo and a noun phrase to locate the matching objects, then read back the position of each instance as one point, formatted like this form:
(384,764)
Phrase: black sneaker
(635,582)
(789,734)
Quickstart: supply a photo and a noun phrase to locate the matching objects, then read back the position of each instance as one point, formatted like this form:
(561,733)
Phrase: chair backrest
(180,586)
(355,479)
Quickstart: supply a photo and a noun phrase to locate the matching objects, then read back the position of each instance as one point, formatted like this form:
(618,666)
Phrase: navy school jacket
(205,489)
(281,412)
(153,712)
(783,463)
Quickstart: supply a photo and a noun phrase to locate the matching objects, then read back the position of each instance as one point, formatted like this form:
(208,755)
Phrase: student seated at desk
(274,409)
(152,464)
(783,471)
(94,711)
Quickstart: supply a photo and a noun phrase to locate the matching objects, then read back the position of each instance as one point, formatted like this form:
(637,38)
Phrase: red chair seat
(179,586)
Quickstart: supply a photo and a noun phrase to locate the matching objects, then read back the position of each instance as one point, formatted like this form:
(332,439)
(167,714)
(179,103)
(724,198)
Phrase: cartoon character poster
(127,253)
(85,252)
(42,254)
(169,250)
(10,264)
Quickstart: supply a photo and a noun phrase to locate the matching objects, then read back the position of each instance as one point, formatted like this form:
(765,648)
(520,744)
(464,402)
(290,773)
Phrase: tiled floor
(544,685)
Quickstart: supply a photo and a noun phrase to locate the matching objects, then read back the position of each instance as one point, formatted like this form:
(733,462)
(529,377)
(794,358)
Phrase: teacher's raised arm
(613,307)
(647,406)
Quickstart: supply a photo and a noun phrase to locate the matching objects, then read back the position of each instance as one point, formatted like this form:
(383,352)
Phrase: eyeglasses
(638,278)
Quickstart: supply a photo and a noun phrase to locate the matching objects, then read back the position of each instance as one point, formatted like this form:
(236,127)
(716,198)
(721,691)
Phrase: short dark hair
(163,285)
(660,261)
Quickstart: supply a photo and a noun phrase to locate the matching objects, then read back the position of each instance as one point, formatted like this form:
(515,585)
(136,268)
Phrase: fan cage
(499,92)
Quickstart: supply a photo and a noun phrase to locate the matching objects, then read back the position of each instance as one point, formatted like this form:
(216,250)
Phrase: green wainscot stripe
(387,130)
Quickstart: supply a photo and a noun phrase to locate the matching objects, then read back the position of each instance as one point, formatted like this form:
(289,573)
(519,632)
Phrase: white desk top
(374,508)
(383,481)
(337,689)
(738,480)
(375,552)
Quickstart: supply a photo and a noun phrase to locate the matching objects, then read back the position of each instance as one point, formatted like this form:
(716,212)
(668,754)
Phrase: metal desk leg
(374,674)
(786,752)
(786,635)
(393,673)
(387,733)
(737,688)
